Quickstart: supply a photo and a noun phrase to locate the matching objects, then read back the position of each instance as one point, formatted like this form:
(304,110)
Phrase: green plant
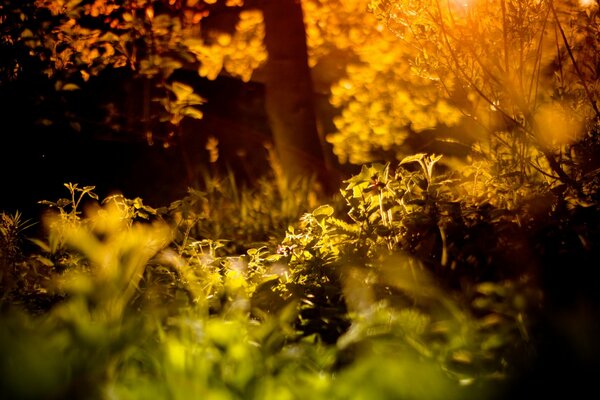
(11,231)
(11,253)
(440,241)
(96,293)
(242,217)
(69,212)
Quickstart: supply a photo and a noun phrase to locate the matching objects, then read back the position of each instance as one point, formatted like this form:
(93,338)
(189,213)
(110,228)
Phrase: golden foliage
(239,54)
(527,68)
(381,100)
(148,39)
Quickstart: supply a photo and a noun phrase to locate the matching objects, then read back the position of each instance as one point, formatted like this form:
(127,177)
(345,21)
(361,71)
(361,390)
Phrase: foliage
(424,222)
(409,285)
(420,281)
(11,253)
(196,307)
(381,101)
(11,228)
(520,66)
(525,71)
(246,216)
(78,41)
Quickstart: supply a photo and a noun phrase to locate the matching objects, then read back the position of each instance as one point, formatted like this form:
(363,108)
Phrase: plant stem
(575,65)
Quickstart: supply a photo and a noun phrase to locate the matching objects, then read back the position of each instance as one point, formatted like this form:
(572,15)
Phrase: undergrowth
(406,286)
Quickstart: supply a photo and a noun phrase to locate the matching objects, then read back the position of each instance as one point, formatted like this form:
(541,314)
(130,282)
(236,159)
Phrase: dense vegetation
(425,276)
(406,286)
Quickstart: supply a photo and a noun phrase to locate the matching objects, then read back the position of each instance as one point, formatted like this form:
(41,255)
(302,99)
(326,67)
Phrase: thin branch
(535,77)
(575,65)
(541,171)
(505,36)
(555,165)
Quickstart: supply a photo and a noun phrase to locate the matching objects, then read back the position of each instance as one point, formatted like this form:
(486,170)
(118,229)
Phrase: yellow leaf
(70,87)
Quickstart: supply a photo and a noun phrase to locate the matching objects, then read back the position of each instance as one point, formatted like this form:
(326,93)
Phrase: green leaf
(366,175)
(274,258)
(414,158)
(490,288)
(324,210)
(137,203)
(43,260)
(63,202)
(41,244)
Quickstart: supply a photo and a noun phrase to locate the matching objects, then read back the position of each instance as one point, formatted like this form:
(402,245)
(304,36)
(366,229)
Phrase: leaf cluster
(76,43)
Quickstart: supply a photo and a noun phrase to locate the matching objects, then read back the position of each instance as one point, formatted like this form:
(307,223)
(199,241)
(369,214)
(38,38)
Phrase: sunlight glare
(556,126)
(588,3)
(462,3)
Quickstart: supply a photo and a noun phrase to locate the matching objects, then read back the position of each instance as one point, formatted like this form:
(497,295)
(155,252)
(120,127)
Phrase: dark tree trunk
(289,92)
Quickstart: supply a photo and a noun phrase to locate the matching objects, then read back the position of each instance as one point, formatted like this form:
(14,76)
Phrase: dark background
(50,138)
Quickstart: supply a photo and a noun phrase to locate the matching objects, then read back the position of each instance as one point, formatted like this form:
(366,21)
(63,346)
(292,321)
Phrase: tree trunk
(289,92)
